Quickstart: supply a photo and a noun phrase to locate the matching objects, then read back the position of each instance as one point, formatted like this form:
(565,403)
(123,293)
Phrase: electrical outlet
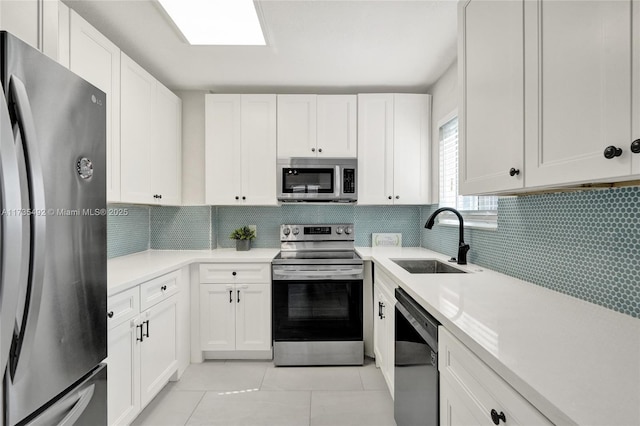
(254,228)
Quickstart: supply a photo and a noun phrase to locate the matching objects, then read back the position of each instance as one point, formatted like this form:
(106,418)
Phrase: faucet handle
(463,248)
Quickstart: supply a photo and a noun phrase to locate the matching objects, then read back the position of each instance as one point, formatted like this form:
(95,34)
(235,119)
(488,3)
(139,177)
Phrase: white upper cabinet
(136,118)
(150,138)
(44,24)
(549,94)
(579,91)
(337,125)
(317,126)
(93,57)
(491,76)
(394,149)
(240,149)
(297,126)
(166,154)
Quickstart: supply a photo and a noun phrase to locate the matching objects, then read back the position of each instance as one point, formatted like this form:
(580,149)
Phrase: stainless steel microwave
(317,179)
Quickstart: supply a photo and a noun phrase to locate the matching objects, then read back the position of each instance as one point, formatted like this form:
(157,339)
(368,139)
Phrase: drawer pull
(238,300)
(110,314)
(147,333)
(495,417)
(230,296)
(163,288)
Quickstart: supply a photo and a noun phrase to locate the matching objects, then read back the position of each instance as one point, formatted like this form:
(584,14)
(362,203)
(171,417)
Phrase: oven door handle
(331,274)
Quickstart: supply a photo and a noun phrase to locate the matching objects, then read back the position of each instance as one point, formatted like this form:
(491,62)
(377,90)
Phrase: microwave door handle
(12,259)
(23,340)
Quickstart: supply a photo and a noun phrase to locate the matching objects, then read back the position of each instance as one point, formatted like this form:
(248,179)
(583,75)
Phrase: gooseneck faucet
(462,247)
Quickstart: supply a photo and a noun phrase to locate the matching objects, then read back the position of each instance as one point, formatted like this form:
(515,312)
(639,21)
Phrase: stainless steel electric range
(317,297)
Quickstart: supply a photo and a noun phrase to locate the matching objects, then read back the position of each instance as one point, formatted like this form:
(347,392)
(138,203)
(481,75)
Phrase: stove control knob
(286,231)
(339,230)
(348,231)
(295,231)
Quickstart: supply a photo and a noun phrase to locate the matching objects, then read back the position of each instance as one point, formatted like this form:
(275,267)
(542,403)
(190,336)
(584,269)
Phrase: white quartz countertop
(577,362)
(128,271)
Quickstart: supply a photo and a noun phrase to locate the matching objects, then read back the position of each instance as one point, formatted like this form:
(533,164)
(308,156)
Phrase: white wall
(193,177)
(444,101)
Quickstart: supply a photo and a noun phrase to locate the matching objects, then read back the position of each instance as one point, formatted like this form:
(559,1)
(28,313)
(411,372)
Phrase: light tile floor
(257,393)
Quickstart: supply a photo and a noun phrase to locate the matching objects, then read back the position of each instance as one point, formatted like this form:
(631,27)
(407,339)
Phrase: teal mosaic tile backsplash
(128,231)
(585,244)
(181,228)
(367,219)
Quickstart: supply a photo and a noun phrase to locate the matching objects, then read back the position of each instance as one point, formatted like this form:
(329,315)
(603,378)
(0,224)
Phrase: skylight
(216,22)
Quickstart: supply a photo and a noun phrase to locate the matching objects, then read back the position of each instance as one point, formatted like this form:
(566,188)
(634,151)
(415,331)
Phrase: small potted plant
(243,237)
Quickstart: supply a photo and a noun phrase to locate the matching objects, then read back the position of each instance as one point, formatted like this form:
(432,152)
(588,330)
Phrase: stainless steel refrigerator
(52,242)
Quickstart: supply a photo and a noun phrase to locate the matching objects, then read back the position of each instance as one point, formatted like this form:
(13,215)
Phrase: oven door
(317,310)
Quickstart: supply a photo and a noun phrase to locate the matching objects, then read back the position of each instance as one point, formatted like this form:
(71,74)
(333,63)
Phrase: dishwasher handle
(423,322)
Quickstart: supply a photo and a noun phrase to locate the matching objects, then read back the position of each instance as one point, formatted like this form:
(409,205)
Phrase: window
(478,211)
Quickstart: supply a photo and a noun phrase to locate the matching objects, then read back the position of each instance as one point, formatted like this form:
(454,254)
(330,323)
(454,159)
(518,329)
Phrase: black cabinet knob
(313,150)
(495,417)
(319,149)
(397,197)
(611,152)
(390,197)
(237,198)
(234,273)
(110,314)
(244,198)
(163,288)
(514,172)
(635,146)
(159,195)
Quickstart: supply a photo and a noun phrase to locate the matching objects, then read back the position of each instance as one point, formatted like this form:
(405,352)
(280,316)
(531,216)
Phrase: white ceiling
(316,46)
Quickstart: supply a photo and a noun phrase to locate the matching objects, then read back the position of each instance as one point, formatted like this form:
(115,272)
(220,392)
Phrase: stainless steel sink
(426,266)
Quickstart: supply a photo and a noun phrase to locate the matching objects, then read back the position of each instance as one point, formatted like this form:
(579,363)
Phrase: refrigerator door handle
(23,340)
(74,406)
(12,227)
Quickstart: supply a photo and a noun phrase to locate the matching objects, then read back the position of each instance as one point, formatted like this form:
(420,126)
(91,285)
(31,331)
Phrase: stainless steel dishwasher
(416,364)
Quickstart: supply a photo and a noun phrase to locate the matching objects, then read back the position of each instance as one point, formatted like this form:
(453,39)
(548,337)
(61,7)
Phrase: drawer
(212,273)
(158,289)
(475,381)
(122,307)
(383,280)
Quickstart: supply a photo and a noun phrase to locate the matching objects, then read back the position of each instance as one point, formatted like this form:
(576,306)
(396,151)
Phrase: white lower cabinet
(142,351)
(235,309)
(384,325)
(472,393)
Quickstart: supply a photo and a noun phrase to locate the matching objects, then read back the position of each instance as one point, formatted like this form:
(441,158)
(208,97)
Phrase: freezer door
(59,127)
(85,404)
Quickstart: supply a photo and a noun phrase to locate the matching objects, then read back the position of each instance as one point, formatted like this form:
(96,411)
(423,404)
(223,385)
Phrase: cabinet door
(456,407)
(253,317)
(166,148)
(217,317)
(158,352)
(258,157)
(296,126)
(411,149)
(20,18)
(383,341)
(137,92)
(93,57)
(491,74)
(579,87)
(223,149)
(336,128)
(375,149)
(123,384)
